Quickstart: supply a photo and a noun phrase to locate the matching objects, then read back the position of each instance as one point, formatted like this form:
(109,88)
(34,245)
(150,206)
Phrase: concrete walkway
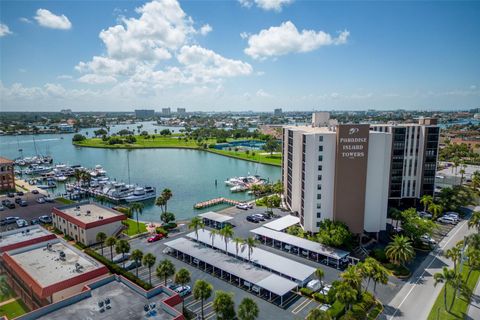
(7,301)
(474,308)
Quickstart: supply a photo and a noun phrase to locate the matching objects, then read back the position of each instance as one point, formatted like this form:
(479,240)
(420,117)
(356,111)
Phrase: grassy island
(180,141)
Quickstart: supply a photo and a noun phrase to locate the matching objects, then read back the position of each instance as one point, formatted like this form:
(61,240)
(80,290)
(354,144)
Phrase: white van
(314,285)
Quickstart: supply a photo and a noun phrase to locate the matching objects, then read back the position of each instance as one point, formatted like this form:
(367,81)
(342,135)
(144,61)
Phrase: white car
(427,239)
(453,215)
(324,307)
(242,206)
(22,223)
(40,200)
(447,220)
(424,214)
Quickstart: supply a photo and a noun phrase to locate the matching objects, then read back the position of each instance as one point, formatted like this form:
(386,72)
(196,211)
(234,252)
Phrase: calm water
(189,174)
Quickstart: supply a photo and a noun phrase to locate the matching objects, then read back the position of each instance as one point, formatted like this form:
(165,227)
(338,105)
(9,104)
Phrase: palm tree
(448,277)
(454,254)
(226,233)
(426,200)
(224,305)
(101,237)
(161,202)
(400,250)
(248,309)
(462,172)
(196,223)
(346,294)
(165,269)
(474,221)
(182,277)
(396,215)
(256,188)
(149,261)
(352,277)
(110,242)
(166,194)
(435,209)
(250,243)
(317,314)
(137,208)
(319,273)
(78,176)
(121,247)
(202,290)
(476,180)
(238,243)
(137,256)
(213,234)
(379,275)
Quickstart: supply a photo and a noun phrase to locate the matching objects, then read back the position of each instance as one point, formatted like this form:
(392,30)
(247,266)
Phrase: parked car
(22,223)
(183,290)
(23,203)
(20,193)
(132,264)
(253,219)
(314,285)
(427,239)
(453,215)
(40,200)
(326,288)
(11,195)
(259,216)
(173,286)
(10,205)
(155,237)
(35,191)
(425,215)
(447,220)
(45,219)
(2,207)
(5,202)
(121,257)
(324,307)
(242,206)
(167,251)
(49,199)
(18,200)
(34,221)
(9,220)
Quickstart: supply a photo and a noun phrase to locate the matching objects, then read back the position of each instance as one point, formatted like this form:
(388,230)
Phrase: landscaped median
(460,304)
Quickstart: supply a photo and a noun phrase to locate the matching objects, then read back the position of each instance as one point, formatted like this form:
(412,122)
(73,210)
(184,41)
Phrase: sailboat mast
(128,165)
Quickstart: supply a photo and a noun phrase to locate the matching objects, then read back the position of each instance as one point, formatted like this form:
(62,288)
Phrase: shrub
(211,146)
(379,255)
(337,310)
(114,140)
(117,269)
(80,245)
(67,237)
(130,139)
(306,292)
(169,226)
(161,230)
(320,297)
(57,231)
(375,312)
(78,138)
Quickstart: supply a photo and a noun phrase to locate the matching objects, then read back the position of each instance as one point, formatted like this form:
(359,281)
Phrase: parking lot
(32,211)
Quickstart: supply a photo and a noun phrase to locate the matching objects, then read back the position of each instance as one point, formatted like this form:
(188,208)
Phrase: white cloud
(205,29)
(263,94)
(275,5)
(4,30)
(25,20)
(244,35)
(47,19)
(284,39)
(96,79)
(64,77)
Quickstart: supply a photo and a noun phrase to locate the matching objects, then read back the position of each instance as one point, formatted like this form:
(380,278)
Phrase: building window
(319,206)
(320,168)
(319,177)
(319,187)
(320,158)
(319,196)
(319,214)
(320,148)
(320,138)
(318,224)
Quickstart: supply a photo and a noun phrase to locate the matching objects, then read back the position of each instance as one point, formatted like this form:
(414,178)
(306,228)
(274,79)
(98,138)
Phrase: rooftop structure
(126,301)
(89,214)
(217,217)
(285,267)
(17,238)
(282,223)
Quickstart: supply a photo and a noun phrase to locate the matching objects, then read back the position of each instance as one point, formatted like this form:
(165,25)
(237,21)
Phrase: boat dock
(213,202)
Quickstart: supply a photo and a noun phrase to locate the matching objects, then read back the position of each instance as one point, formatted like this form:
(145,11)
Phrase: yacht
(98,171)
(239,188)
(37,169)
(141,194)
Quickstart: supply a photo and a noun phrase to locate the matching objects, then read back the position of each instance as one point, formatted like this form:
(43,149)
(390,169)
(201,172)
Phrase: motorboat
(141,194)
(98,171)
(239,188)
(37,169)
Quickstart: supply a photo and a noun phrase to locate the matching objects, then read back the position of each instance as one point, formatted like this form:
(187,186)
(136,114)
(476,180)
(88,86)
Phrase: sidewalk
(474,308)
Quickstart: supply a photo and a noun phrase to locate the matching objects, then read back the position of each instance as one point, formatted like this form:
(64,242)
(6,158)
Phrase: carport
(259,282)
(282,223)
(302,247)
(285,267)
(215,220)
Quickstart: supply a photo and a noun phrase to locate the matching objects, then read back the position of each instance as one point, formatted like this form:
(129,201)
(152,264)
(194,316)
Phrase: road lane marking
(301,306)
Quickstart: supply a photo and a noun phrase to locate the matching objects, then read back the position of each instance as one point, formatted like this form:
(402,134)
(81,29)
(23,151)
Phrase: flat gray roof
(246,271)
(215,216)
(22,234)
(301,243)
(282,223)
(125,304)
(88,212)
(277,263)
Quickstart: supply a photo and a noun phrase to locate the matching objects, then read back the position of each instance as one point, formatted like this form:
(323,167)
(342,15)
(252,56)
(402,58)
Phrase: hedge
(336,310)
(118,270)
(375,312)
(320,297)
(306,292)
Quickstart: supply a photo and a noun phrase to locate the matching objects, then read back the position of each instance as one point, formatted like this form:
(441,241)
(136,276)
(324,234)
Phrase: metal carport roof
(215,216)
(282,223)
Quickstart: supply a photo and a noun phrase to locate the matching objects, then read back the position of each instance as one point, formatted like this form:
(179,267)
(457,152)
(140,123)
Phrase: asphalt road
(417,296)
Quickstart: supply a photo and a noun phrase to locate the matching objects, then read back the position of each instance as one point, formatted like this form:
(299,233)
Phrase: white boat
(60,178)
(36,169)
(98,171)
(141,194)
(238,188)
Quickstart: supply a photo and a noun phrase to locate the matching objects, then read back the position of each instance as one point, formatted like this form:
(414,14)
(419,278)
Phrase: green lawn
(5,291)
(176,141)
(132,227)
(64,200)
(460,306)
(14,309)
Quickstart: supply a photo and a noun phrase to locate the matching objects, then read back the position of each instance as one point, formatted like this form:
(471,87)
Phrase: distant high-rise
(144,113)
(166,112)
(181,111)
(277,112)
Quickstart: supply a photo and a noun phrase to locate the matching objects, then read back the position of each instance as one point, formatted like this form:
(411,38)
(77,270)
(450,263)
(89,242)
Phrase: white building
(337,172)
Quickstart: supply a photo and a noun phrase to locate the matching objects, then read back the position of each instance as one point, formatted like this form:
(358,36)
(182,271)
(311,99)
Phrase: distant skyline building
(166,112)
(181,111)
(277,112)
(414,155)
(338,172)
(144,113)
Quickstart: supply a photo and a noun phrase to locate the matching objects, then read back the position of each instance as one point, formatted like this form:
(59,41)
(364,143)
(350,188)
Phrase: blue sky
(239,55)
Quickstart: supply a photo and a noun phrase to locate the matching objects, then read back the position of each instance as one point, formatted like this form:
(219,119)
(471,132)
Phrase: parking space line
(210,315)
(204,307)
(301,306)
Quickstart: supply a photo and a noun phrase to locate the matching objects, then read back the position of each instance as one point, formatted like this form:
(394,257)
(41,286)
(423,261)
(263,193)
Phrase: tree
(346,294)
(182,277)
(101,237)
(248,309)
(474,221)
(78,138)
(379,274)
(476,180)
(195,224)
(317,314)
(122,247)
(161,202)
(165,269)
(352,277)
(250,243)
(149,261)
(426,200)
(454,254)
(319,273)
(238,243)
(400,250)
(202,290)
(271,146)
(137,208)
(435,209)
(167,195)
(333,233)
(473,256)
(213,234)
(167,217)
(448,277)
(226,233)
(224,306)
(110,242)
(396,215)
(137,256)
